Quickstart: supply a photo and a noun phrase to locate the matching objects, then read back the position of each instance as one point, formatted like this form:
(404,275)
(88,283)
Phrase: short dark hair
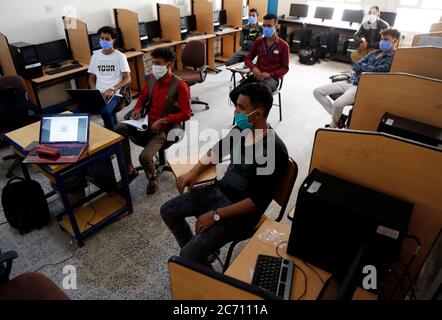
(163,53)
(254,10)
(392,32)
(110,30)
(271,16)
(375,7)
(260,96)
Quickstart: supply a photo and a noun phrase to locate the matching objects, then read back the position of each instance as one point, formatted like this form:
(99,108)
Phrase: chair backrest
(189,281)
(194,54)
(13,81)
(286,187)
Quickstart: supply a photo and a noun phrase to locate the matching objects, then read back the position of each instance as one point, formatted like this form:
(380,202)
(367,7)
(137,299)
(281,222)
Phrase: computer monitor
(298,10)
(191,23)
(53,52)
(223,17)
(216,17)
(153,29)
(245,12)
(94,41)
(353,16)
(183,24)
(324,13)
(142,29)
(390,17)
(119,42)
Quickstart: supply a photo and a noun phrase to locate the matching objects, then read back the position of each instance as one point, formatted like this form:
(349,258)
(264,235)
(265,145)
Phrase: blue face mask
(385,45)
(242,120)
(269,32)
(252,20)
(106,45)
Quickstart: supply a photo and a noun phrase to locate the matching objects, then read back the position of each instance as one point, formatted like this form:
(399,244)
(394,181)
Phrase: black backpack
(25,205)
(309,56)
(15,109)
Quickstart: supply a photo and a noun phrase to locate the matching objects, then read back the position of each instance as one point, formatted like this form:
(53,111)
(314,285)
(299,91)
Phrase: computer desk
(81,221)
(243,266)
(228,47)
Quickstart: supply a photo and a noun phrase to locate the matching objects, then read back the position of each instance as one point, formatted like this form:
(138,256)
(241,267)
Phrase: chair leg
(229,255)
(280,106)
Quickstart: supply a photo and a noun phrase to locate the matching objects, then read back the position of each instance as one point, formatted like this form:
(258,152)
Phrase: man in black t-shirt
(232,206)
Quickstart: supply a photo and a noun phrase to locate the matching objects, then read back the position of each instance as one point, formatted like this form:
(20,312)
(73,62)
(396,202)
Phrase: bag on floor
(24,204)
(309,56)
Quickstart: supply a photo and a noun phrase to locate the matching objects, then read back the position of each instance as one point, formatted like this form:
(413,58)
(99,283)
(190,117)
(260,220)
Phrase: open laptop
(69,133)
(90,98)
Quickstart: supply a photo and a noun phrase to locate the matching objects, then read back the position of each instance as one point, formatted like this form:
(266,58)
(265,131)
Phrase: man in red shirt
(273,58)
(166,101)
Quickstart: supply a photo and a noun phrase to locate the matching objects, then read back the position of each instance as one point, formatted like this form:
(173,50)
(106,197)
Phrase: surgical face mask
(159,71)
(385,45)
(242,120)
(106,45)
(269,32)
(372,18)
(252,20)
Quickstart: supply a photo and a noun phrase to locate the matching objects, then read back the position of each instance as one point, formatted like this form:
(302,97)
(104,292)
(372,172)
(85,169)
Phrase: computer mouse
(75,62)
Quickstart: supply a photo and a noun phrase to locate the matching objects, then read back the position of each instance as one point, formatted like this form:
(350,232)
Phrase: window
(418,15)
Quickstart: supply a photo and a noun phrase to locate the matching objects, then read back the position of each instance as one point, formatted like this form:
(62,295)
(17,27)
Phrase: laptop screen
(64,129)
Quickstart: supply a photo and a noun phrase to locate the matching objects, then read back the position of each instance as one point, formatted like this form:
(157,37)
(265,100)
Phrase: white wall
(36,21)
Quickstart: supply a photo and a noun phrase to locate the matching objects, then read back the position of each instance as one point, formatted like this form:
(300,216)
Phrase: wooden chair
(282,198)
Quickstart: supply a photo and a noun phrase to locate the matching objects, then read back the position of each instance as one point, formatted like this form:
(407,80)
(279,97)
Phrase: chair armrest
(7,258)
(126,92)
(340,77)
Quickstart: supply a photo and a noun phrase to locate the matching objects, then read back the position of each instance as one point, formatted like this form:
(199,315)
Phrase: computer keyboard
(64,69)
(275,275)
(69,150)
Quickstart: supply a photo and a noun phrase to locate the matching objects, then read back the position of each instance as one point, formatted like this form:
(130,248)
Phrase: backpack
(25,215)
(309,56)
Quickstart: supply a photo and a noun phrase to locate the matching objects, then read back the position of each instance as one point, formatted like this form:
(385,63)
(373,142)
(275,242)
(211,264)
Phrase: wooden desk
(243,266)
(229,42)
(87,219)
(161,45)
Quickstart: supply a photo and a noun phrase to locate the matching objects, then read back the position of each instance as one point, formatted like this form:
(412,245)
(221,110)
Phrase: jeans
(336,107)
(237,57)
(198,248)
(270,83)
(107,112)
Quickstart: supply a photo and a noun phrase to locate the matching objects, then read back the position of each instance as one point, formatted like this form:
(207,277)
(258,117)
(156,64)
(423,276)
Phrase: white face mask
(372,18)
(159,71)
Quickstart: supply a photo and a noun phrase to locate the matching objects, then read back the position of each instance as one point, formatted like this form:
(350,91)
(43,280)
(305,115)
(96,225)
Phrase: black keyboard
(275,275)
(69,150)
(64,69)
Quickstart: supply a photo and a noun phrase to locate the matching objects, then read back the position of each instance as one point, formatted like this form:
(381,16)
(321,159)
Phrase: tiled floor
(128,259)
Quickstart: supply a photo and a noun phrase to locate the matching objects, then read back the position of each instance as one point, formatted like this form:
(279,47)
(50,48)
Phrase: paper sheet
(141,124)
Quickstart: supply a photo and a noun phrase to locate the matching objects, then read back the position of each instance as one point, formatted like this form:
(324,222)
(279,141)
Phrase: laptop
(91,98)
(68,133)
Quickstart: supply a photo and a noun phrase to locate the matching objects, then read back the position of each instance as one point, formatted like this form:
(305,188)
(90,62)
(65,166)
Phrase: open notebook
(141,124)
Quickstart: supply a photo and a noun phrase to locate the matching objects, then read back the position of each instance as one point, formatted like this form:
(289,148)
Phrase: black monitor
(183,24)
(54,52)
(142,29)
(191,23)
(223,17)
(119,42)
(298,10)
(353,16)
(216,17)
(153,29)
(390,17)
(324,13)
(94,41)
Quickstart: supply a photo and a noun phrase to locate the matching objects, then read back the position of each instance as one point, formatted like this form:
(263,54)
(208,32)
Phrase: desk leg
(123,174)
(68,209)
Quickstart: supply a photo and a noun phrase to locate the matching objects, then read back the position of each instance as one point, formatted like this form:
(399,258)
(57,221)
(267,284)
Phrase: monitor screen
(191,22)
(119,42)
(215,16)
(95,41)
(62,129)
(245,12)
(324,13)
(53,52)
(298,10)
(142,29)
(183,23)
(222,17)
(352,16)
(390,17)
(153,29)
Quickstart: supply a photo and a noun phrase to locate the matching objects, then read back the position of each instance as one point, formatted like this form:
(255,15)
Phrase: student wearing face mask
(378,60)
(109,72)
(273,58)
(232,206)
(249,34)
(166,102)
(369,34)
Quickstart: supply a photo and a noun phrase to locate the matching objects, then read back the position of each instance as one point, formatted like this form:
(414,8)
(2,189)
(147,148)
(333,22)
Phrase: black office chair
(195,67)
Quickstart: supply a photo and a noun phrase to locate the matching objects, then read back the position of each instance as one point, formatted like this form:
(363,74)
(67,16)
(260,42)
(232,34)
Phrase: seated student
(369,34)
(232,206)
(273,58)
(109,72)
(249,34)
(163,114)
(376,61)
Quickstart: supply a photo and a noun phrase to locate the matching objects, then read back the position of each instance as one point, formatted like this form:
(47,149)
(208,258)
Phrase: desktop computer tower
(336,219)
(26,60)
(410,129)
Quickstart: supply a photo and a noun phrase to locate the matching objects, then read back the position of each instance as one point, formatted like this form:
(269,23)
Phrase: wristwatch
(216,216)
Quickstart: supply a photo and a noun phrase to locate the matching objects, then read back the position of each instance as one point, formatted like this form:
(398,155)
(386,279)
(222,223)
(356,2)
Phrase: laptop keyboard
(65,150)
(275,275)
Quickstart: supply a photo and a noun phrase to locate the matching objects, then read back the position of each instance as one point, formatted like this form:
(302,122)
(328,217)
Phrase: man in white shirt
(109,72)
